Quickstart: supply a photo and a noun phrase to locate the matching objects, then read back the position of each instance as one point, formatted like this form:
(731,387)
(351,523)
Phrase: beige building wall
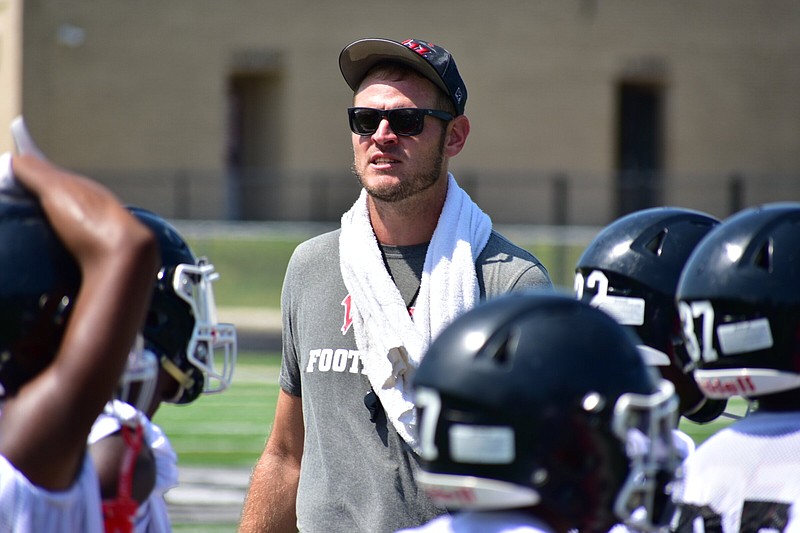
(136,93)
(10,67)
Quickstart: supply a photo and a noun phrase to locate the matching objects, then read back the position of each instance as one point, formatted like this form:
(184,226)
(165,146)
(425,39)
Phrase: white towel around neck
(391,343)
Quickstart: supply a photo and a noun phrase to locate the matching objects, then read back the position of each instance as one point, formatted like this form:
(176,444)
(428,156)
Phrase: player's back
(743,478)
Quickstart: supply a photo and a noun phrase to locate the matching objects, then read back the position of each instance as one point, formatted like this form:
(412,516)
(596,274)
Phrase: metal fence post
(560,192)
(735,193)
(180,196)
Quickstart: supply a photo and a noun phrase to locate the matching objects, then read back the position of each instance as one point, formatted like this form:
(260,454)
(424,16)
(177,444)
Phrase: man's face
(391,167)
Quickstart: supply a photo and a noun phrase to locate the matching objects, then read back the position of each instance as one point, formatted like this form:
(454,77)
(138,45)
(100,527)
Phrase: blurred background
(582,110)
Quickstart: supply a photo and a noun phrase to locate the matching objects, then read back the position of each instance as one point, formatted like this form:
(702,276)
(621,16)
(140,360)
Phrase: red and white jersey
(745,478)
(152,515)
(26,508)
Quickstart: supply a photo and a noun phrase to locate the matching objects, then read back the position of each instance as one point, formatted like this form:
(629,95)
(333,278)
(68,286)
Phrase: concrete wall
(135,93)
(10,67)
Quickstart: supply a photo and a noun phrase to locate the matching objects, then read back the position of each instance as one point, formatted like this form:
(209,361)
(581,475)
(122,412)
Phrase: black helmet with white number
(181,327)
(540,400)
(39,280)
(631,270)
(739,299)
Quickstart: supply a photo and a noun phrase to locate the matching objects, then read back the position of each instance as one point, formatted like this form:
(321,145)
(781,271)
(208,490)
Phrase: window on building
(253,144)
(639,161)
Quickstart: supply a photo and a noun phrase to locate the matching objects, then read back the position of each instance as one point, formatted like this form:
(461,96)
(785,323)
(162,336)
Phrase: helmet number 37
(704,346)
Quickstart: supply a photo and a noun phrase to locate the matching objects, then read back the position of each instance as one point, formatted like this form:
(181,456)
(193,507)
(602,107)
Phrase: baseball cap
(431,61)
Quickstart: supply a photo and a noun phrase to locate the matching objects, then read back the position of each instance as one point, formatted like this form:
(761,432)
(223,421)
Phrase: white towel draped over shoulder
(391,343)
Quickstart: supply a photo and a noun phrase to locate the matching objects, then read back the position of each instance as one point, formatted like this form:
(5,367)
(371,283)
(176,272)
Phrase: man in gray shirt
(361,304)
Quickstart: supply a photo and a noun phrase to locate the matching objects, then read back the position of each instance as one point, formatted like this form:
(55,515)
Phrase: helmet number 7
(430,405)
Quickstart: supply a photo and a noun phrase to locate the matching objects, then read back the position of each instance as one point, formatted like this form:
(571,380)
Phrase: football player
(739,302)
(75,272)
(537,414)
(195,355)
(630,270)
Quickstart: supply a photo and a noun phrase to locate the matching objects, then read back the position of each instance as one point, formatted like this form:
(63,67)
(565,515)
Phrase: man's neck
(409,222)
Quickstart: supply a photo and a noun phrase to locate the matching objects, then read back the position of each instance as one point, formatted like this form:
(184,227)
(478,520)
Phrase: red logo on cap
(421,49)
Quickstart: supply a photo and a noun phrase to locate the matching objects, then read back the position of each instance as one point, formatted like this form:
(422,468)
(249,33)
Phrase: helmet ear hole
(503,351)
(502,355)
(763,258)
(656,243)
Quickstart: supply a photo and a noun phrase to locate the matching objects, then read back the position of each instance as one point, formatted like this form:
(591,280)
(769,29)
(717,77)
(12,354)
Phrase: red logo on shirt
(347,303)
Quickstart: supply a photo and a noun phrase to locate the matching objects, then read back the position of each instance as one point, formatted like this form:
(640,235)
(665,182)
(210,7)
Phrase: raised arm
(44,427)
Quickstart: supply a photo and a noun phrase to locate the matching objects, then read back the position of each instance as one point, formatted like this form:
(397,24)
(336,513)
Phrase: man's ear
(457,133)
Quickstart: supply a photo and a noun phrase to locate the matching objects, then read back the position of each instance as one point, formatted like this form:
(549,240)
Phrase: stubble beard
(413,185)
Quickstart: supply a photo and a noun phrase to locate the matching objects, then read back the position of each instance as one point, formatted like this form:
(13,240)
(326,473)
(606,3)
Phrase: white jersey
(152,515)
(484,522)
(744,478)
(684,444)
(26,508)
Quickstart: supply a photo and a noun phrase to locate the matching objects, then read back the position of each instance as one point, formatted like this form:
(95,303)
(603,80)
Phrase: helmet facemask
(194,350)
(644,424)
(212,346)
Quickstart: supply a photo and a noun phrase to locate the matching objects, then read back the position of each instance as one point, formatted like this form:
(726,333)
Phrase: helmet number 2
(596,280)
(694,347)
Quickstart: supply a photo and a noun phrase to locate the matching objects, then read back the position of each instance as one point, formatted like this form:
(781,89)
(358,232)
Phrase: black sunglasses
(406,121)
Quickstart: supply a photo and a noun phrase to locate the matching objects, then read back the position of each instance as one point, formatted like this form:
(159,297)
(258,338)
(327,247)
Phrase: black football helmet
(181,327)
(631,270)
(540,400)
(39,281)
(739,299)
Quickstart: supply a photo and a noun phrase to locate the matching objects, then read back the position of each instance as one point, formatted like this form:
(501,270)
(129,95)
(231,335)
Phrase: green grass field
(229,429)
(251,270)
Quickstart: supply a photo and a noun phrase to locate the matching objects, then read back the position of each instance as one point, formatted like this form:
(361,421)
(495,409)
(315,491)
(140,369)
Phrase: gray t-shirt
(357,473)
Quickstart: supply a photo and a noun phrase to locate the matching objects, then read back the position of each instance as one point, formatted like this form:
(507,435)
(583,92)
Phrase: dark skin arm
(120,258)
